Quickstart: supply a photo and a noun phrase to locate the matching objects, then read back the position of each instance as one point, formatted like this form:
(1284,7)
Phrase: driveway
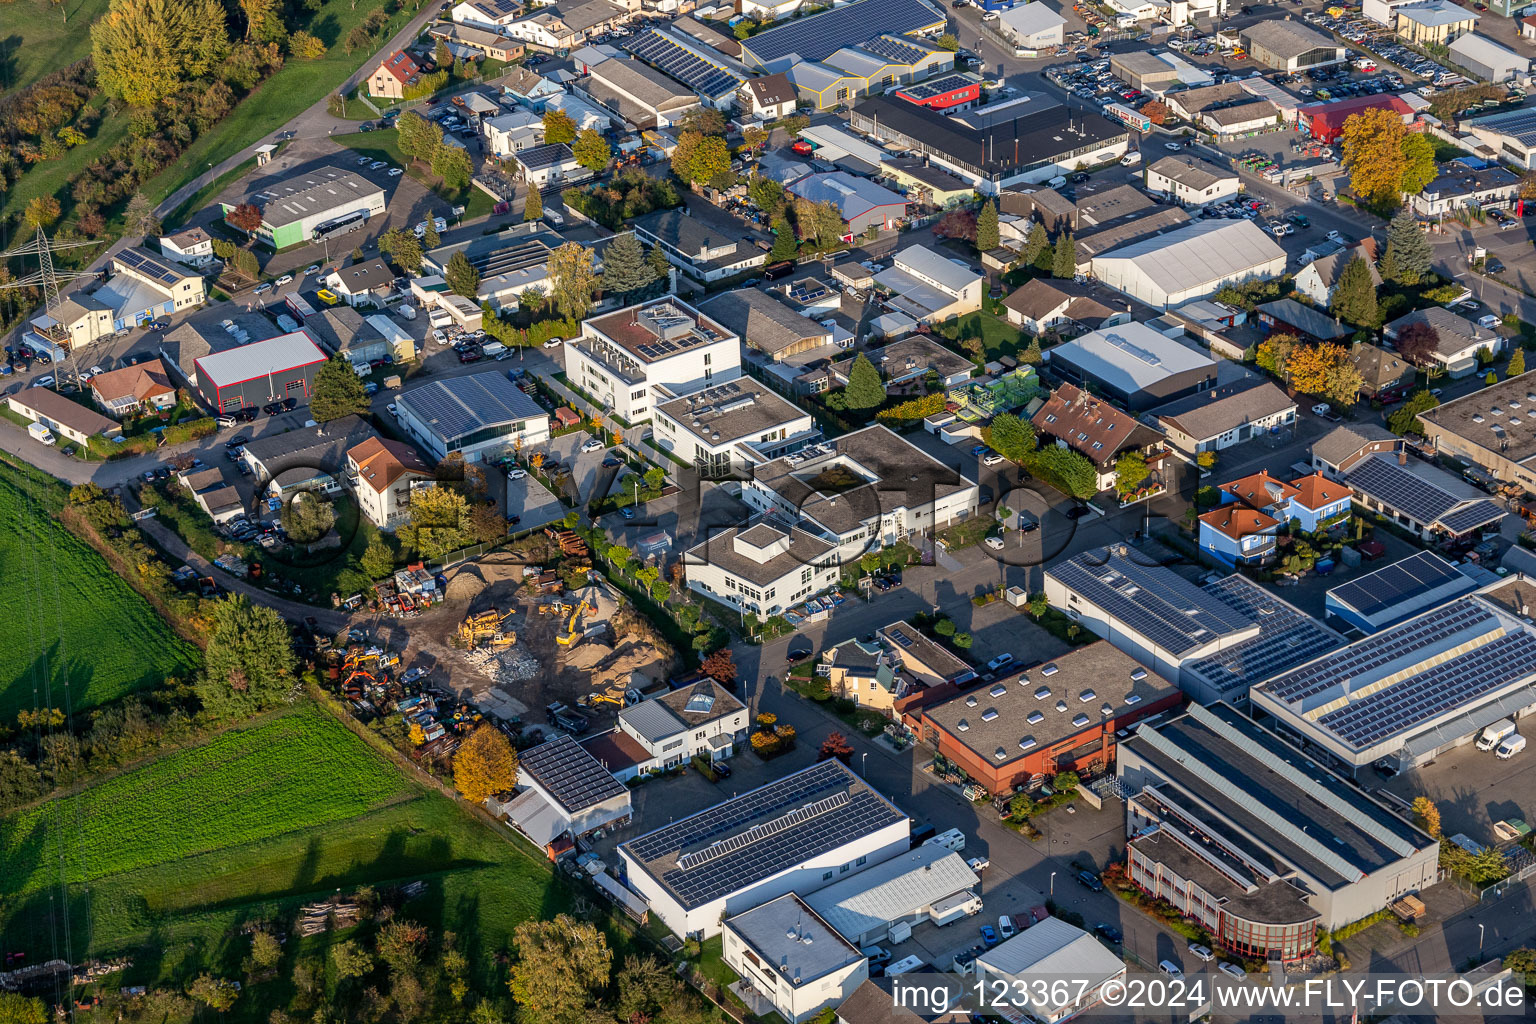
(532,501)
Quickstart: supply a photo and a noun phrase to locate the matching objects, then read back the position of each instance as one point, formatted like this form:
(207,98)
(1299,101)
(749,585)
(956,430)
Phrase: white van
(952,839)
(1130,159)
(1057,181)
(494,348)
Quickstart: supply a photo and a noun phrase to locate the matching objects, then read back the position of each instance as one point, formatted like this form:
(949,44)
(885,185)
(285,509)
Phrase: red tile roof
(402,67)
(1316,490)
(1238,522)
(1260,490)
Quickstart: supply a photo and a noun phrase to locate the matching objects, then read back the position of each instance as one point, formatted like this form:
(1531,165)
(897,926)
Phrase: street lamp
(1479,940)
(1053,883)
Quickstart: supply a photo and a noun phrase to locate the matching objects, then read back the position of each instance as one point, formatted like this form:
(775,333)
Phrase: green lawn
(49,177)
(248,826)
(37,37)
(298,86)
(69,617)
(998,336)
(203,196)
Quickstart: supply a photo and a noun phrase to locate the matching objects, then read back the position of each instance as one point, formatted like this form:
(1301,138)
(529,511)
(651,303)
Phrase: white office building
(789,956)
(729,428)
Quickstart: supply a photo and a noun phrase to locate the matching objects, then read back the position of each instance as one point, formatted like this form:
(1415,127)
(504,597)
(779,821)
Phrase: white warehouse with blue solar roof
(477,416)
(803,832)
(1407,693)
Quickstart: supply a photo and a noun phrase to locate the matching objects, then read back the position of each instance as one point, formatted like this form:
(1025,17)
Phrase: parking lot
(1472,788)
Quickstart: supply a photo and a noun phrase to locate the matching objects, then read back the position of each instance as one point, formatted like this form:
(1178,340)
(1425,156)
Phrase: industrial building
(1190,181)
(729,428)
(1387,596)
(1060,716)
(797,834)
(1262,847)
(786,953)
(1216,640)
(478,416)
(1421,497)
(1481,427)
(885,902)
(639,94)
(996,151)
(1292,46)
(1512,134)
(1029,969)
(816,39)
(1409,692)
(307,459)
(638,355)
(567,793)
(320,203)
(713,77)
(766,325)
(254,375)
(1324,120)
(1134,365)
(861,203)
(1191,262)
(930,287)
(1032,27)
(68,419)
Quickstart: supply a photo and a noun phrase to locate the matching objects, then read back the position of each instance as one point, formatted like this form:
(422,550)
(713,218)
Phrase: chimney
(1402,456)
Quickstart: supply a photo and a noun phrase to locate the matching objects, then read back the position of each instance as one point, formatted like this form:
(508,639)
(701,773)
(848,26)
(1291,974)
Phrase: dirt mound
(588,655)
(465,586)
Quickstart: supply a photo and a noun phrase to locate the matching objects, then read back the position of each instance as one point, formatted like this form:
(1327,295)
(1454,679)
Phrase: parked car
(1170,968)
(1004,927)
(1109,933)
(626,512)
(516,474)
(593,445)
(285,279)
(1090,881)
(988,935)
(1201,953)
(1231,970)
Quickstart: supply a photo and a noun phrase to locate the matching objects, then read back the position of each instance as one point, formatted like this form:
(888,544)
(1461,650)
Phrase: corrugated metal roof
(1195,255)
(653,721)
(274,355)
(891,890)
(1053,948)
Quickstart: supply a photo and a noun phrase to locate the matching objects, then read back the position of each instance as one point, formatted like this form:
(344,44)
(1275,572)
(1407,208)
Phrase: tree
(625,270)
(1491,378)
(1065,262)
(562,967)
(377,560)
(400,942)
(249,662)
(462,277)
(947,41)
(217,994)
(430,239)
(573,280)
(1418,342)
(42,212)
(533,206)
(338,392)
(350,960)
(1405,418)
(836,746)
(1354,297)
(439,523)
(20,1009)
(1011,437)
(245,217)
(710,157)
(139,216)
(305,45)
(1072,470)
(453,165)
(484,764)
(1130,471)
(1427,816)
(1418,163)
(720,666)
(958,224)
(558,126)
(1516,364)
(1307,367)
(785,246)
(1408,253)
(403,248)
(266,951)
(865,389)
(307,517)
(1372,146)
(417,137)
(986,227)
(145,50)
(1036,244)
(1155,111)
(592,151)
(441,56)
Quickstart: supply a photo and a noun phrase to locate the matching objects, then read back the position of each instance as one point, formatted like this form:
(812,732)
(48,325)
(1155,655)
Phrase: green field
(37,36)
(68,616)
(179,853)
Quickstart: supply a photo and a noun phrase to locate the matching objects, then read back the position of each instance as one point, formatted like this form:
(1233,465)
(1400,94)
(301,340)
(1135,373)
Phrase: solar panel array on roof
(1521,126)
(569,773)
(1414,576)
(820,36)
(462,405)
(670,57)
(1150,599)
(510,259)
(1286,637)
(937,87)
(1409,493)
(897,51)
(758,834)
(147,265)
(1474,516)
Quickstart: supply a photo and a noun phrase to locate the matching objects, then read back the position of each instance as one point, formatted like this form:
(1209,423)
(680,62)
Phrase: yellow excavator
(486,628)
(570,635)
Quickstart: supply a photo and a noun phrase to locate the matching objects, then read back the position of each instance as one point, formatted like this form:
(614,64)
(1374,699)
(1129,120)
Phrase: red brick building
(1059,716)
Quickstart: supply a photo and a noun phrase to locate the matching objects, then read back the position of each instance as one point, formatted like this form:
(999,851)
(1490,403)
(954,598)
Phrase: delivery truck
(1495,733)
(1510,747)
(953,907)
(40,433)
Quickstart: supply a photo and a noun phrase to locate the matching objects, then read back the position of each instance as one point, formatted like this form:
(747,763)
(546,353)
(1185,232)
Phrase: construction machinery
(485,628)
(570,636)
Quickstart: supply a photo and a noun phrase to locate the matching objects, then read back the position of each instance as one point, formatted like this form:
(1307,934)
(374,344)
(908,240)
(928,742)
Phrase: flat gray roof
(313,194)
(738,410)
(259,358)
(458,406)
(791,938)
(1131,356)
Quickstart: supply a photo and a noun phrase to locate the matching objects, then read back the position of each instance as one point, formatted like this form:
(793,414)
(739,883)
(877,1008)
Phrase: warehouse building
(1060,716)
(308,459)
(930,287)
(1287,45)
(638,93)
(729,428)
(64,417)
(479,416)
(766,325)
(1512,134)
(797,834)
(816,39)
(860,202)
(1411,691)
(323,202)
(994,152)
(274,370)
(1031,969)
(1435,22)
(884,902)
(1216,640)
(1032,27)
(1191,262)
(575,793)
(1480,428)
(1422,498)
(714,77)
(792,958)
(1399,591)
(1134,365)
(1324,121)
(1255,843)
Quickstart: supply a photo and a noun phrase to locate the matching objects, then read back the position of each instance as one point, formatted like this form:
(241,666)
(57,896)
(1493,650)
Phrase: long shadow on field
(304,878)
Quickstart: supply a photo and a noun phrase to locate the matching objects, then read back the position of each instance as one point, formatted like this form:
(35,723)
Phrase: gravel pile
(509,665)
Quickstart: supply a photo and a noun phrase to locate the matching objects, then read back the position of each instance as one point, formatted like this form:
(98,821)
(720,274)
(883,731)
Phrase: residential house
(513,132)
(701,720)
(700,247)
(1094,428)
(1190,181)
(1318,501)
(1237,535)
(211,492)
(763,568)
(1461,185)
(394,76)
(768,97)
(1318,278)
(472,43)
(362,284)
(549,166)
(729,428)
(1226,415)
(1041,305)
(1460,340)
(1384,376)
(1292,317)
(792,958)
(192,246)
(1337,452)
(145,386)
(494,15)
(384,474)
(860,671)
(930,287)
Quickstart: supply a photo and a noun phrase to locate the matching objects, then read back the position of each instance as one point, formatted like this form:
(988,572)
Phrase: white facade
(1190,263)
(1030,967)
(762,569)
(513,132)
(1033,26)
(1192,193)
(720,435)
(620,358)
(671,741)
(792,958)
(193,247)
(491,16)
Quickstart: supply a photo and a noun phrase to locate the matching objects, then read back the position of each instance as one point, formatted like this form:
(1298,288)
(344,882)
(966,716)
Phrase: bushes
(915,408)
